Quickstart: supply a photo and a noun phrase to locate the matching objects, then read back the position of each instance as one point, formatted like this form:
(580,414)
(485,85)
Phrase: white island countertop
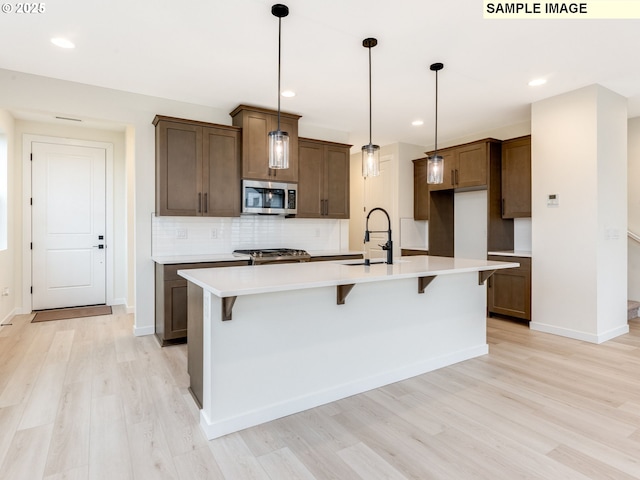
(249,280)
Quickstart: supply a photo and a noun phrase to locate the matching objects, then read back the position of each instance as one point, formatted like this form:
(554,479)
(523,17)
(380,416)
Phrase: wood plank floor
(85,399)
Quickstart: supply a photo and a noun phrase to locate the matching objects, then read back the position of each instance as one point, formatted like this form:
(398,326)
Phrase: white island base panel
(285,352)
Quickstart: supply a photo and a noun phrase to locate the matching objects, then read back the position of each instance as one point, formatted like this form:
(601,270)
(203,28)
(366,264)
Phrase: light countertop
(230,257)
(212,257)
(512,253)
(247,280)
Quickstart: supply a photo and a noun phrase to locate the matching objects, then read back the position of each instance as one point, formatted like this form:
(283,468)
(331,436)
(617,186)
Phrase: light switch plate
(553,200)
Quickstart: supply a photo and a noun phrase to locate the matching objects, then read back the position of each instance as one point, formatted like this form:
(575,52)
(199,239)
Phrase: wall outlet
(5,292)
(214,233)
(181,233)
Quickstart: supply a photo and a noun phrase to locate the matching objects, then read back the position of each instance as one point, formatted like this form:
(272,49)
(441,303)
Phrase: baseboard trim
(217,428)
(7,320)
(142,331)
(578,335)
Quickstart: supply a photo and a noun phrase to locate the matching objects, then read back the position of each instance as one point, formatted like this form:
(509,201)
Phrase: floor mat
(75,312)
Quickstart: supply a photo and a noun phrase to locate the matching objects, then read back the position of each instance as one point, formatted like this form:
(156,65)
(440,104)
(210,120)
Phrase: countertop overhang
(249,280)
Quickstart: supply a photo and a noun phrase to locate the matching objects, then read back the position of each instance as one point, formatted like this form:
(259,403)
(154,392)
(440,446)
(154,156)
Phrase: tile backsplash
(213,235)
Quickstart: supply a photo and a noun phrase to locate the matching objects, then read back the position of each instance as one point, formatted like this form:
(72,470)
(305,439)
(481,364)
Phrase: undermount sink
(379,261)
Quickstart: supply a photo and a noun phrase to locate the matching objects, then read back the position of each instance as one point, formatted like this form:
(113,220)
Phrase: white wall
(134,114)
(579,248)
(633,188)
(9,303)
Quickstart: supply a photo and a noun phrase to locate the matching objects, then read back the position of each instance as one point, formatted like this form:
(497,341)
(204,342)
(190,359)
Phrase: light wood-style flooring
(85,399)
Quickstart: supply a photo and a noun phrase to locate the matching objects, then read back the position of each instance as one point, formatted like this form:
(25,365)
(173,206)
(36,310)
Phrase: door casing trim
(27,140)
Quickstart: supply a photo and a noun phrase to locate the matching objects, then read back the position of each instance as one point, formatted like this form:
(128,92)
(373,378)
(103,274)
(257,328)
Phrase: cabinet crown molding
(240,108)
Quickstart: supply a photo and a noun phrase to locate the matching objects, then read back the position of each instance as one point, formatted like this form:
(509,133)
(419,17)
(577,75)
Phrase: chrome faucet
(387,246)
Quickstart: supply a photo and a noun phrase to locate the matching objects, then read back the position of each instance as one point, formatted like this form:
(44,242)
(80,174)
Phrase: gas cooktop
(274,255)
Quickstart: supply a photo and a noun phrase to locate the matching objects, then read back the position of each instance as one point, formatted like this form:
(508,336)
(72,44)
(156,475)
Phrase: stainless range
(275,255)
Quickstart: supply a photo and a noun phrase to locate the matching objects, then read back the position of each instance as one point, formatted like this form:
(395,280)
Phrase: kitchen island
(279,339)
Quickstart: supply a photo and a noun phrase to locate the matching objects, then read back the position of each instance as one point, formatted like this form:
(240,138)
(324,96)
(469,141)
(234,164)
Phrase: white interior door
(69,223)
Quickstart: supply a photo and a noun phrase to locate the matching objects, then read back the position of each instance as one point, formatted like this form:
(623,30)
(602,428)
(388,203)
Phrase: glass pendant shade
(278,150)
(435,169)
(370,161)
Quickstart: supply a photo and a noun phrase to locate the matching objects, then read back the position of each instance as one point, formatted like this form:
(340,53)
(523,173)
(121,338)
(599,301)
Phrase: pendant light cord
(370,115)
(279,53)
(436,147)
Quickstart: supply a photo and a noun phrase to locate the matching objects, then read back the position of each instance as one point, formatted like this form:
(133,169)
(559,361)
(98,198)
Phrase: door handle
(98,246)
(199,202)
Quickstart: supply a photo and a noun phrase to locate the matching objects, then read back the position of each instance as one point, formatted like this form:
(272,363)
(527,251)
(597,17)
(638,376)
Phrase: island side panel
(285,352)
(194,340)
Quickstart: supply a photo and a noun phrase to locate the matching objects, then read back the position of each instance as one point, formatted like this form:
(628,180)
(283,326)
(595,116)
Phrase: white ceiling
(222,54)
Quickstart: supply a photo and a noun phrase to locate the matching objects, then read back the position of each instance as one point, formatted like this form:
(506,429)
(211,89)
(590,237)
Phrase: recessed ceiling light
(288,93)
(536,82)
(417,123)
(62,42)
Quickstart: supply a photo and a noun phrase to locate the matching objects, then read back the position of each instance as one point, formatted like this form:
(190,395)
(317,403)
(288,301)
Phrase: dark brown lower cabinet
(171,300)
(410,252)
(509,290)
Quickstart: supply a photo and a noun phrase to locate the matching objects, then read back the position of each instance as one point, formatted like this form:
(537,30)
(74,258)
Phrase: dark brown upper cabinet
(256,123)
(516,177)
(197,168)
(420,190)
(466,166)
(323,179)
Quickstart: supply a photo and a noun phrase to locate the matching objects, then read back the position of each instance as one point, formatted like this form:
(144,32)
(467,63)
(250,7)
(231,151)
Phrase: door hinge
(31,245)
(31,157)
(31,201)
(31,289)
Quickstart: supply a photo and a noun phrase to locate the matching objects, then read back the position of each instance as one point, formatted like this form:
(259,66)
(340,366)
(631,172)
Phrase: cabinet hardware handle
(453,177)
(199,202)
(326,207)
(457,179)
(206,203)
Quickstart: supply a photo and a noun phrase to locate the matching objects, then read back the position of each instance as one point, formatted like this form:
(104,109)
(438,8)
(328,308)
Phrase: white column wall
(579,264)
(633,203)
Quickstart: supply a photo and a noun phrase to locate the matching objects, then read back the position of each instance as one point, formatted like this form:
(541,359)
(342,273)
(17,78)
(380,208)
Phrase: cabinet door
(450,166)
(255,145)
(221,172)
(472,165)
(175,309)
(509,290)
(420,190)
(178,169)
(516,178)
(336,181)
(310,180)
(291,127)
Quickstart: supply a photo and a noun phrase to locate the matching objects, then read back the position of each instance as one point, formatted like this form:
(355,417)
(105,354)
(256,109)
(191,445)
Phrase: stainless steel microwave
(270,198)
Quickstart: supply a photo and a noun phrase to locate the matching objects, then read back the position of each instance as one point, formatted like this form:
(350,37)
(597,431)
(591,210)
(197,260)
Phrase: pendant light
(279,140)
(370,153)
(435,164)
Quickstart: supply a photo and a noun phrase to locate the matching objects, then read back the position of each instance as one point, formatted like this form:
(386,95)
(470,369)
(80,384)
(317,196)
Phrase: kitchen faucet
(387,246)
